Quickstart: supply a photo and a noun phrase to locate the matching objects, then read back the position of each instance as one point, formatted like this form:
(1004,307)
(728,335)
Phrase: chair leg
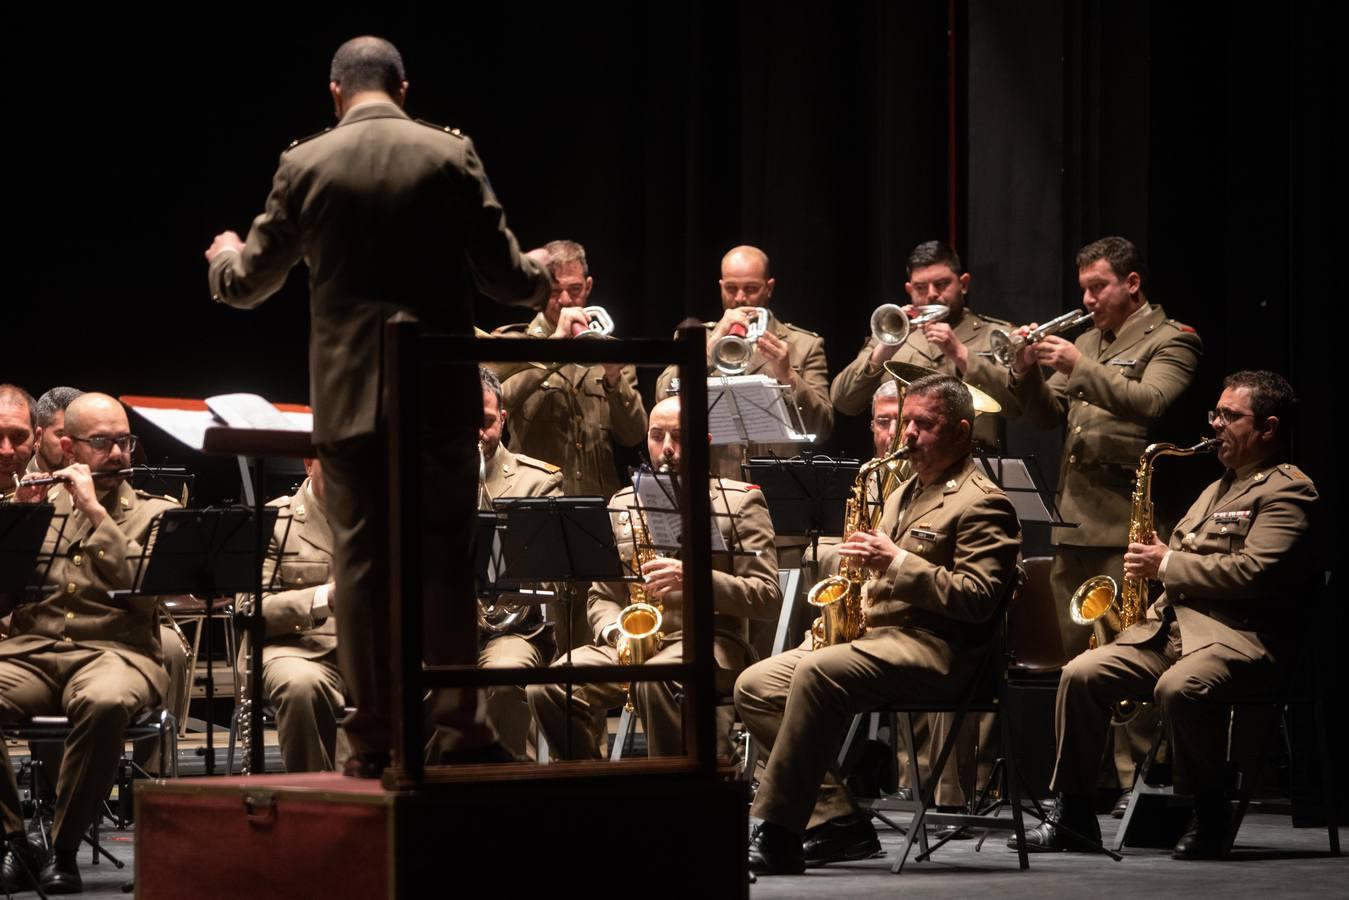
(915,773)
(626,723)
(1328,805)
(1012,776)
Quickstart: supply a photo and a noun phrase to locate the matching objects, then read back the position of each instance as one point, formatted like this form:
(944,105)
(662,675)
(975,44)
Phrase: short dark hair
(562,252)
(367,63)
(932,253)
(956,401)
(490,382)
(1271,395)
(13,395)
(54,401)
(1120,252)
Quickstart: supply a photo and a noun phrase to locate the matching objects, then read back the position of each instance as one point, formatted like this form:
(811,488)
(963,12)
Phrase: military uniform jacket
(306,564)
(516,475)
(962,539)
(389,214)
(1110,401)
(743,587)
(569,417)
(852,389)
(1240,565)
(805,351)
(90,562)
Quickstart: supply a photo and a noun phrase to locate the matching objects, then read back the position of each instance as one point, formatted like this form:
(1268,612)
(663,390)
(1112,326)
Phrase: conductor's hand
(225,240)
(663,576)
(871,548)
(1144,560)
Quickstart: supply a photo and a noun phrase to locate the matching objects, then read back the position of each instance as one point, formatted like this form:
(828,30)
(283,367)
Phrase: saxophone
(1097,596)
(639,623)
(839,597)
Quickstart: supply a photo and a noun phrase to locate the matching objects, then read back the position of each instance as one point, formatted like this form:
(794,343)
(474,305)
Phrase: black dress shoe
(838,840)
(1206,837)
(21,865)
(61,875)
(1121,805)
(1050,835)
(775,851)
(369,764)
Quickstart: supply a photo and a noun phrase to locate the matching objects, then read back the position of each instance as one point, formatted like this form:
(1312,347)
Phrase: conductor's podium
(500,828)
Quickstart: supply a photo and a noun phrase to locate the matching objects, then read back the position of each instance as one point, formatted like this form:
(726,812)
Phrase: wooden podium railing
(407,350)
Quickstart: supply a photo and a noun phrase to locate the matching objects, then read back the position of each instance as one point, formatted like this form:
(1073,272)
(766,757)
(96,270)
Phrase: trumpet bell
(731,355)
(1092,599)
(889,324)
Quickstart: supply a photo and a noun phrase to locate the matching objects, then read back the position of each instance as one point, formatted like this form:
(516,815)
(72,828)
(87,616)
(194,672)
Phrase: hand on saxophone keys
(873,549)
(663,576)
(1145,560)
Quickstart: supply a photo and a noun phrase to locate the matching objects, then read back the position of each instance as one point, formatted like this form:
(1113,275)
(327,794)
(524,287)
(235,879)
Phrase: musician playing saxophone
(1234,570)
(943,558)
(744,587)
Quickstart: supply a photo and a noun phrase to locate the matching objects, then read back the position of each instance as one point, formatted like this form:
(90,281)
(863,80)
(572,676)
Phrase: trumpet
(891,323)
(599,323)
(1005,346)
(731,353)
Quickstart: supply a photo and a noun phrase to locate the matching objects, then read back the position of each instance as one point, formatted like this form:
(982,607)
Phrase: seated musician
(1221,630)
(300,674)
(744,587)
(18,425)
(943,559)
(512,637)
(79,652)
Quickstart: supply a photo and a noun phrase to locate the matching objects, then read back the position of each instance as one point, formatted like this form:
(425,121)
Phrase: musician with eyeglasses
(1235,571)
(744,587)
(80,652)
(956,345)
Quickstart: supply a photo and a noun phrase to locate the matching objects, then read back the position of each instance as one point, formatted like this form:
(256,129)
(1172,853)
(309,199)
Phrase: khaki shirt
(852,389)
(568,416)
(1240,565)
(1110,403)
(805,350)
(961,539)
(743,587)
(90,562)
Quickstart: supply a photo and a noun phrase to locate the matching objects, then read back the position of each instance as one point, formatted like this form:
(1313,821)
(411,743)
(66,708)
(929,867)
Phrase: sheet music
(250,411)
(659,501)
(743,408)
(189,425)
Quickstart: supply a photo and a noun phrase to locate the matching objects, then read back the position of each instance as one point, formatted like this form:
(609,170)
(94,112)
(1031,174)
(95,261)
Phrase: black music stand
(805,496)
(1020,479)
(207,553)
(23,528)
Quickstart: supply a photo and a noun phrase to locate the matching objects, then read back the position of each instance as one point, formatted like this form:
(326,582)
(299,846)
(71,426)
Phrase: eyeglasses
(884,423)
(102,443)
(1226,416)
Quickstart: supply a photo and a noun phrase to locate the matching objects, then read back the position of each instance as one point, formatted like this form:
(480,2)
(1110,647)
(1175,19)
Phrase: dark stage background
(835,137)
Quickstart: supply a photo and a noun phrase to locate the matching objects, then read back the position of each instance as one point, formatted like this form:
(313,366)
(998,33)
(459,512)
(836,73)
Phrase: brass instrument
(598,323)
(891,324)
(1096,596)
(495,617)
(731,352)
(839,597)
(1005,345)
(639,623)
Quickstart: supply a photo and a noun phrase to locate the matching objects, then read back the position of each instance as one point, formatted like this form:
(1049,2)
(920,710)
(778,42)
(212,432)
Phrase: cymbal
(906,372)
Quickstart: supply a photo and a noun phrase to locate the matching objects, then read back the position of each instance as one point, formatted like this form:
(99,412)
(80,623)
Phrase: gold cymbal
(906,372)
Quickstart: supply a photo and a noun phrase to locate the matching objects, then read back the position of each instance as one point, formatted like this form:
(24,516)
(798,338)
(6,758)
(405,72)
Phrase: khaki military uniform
(568,416)
(84,654)
(389,215)
(1224,628)
(852,389)
(743,588)
(529,643)
(300,673)
(928,629)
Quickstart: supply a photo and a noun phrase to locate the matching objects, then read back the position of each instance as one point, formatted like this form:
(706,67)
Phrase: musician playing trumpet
(1235,570)
(941,560)
(744,587)
(956,345)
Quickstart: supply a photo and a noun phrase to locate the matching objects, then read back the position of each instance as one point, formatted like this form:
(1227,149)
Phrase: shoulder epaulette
(146,495)
(445,128)
(539,464)
(991,319)
(513,328)
(1181,326)
(281,502)
(733,485)
(298,141)
(800,329)
(984,483)
(1293,471)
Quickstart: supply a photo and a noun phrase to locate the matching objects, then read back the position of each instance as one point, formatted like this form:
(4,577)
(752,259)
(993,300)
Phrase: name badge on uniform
(922,535)
(1120,361)
(988,354)
(1231,515)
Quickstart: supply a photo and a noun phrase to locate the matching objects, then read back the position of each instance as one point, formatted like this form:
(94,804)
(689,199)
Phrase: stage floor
(1272,859)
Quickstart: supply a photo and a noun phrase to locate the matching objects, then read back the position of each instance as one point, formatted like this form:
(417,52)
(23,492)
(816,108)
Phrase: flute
(106,473)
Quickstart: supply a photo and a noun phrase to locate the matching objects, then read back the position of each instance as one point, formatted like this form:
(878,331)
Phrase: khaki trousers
(308,695)
(507,705)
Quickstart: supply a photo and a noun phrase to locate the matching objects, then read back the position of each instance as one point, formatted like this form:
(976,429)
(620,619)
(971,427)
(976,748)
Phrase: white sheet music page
(659,501)
(250,411)
(743,408)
